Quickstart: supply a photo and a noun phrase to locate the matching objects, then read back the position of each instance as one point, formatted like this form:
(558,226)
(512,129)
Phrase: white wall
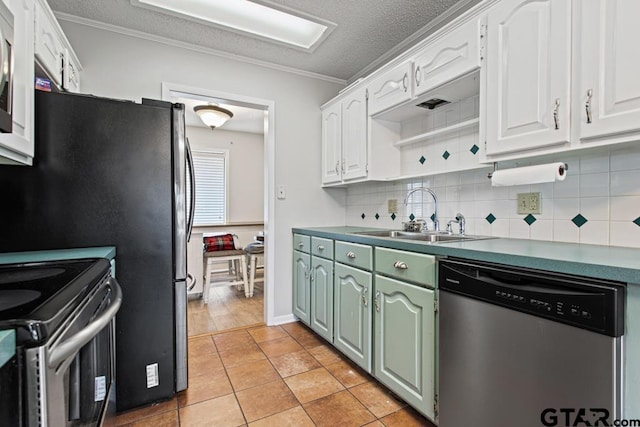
(245,186)
(131,68)
(603,187)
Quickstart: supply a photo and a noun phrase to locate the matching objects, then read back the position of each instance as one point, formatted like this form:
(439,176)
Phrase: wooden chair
(235,265)
(254,252)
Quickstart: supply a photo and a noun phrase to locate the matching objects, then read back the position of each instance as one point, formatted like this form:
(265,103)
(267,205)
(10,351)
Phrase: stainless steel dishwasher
(523,347)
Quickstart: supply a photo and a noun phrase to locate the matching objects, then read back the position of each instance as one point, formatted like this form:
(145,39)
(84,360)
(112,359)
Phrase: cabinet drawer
(322,247)
(417,268)
(355,255)
(302,243)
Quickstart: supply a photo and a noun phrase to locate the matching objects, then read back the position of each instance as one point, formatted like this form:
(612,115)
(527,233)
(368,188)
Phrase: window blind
(211,187)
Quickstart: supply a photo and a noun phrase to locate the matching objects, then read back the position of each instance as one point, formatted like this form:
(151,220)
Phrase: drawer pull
(400,265)
(351,255)
(301,244)
(320,248)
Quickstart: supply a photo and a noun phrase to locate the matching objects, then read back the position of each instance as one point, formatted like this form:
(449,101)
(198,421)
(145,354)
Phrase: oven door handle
(59,353)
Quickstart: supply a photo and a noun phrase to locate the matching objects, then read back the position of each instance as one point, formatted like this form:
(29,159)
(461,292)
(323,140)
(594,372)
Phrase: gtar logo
(574,417)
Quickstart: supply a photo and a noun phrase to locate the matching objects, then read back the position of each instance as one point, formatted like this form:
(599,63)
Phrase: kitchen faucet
(459,219)
(436,222)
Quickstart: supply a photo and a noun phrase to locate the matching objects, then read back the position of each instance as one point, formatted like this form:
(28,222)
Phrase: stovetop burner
(16,297)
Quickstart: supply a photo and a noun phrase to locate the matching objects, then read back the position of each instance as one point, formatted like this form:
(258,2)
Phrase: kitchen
(139,71)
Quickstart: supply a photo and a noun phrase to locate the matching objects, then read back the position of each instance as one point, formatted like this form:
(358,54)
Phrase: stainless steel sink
(427,237)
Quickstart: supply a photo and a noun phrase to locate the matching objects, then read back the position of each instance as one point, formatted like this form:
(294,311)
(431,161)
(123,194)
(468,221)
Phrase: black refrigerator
(113,173)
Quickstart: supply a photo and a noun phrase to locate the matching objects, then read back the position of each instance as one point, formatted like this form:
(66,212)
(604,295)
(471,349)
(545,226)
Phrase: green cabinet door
(405,341)
(352,322)
(322,297)
(301,286)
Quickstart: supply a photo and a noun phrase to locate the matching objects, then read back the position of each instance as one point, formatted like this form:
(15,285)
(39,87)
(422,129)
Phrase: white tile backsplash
(603,187)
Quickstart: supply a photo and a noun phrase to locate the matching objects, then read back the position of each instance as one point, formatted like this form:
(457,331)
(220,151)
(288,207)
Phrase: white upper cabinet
(456,54)
(71,72)
(17,147)
(391,88)
(528,75)
(608,95)
(344,138)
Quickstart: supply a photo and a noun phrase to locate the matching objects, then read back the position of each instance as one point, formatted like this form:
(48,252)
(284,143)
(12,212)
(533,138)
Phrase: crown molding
(190,46)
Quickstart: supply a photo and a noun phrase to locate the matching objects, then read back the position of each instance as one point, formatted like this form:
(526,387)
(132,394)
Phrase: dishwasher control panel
(587,303)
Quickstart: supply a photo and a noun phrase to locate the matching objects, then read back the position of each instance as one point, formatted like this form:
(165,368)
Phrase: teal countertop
(58,254)
(7,346)
(603,262)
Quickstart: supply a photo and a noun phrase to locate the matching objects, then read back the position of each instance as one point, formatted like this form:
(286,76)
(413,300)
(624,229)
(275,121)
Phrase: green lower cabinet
(404,343)
(352,310)
(322,297)
(301,286)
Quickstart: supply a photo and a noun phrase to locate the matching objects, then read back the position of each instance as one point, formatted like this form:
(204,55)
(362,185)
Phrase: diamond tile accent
(474,149)
(446,155)
(393,216)
(530,219)
(490,218)
(637,221)
(579,220)
(412,217)
(377,216)
(363,216)
(422,160)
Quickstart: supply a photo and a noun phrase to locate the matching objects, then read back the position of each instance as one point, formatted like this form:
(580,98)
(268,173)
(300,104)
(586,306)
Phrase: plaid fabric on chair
(223,242)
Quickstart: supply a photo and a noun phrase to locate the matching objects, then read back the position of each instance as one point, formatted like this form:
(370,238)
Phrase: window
(211,187)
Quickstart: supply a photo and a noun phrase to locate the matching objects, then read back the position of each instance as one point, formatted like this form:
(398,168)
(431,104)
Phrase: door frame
(171,90)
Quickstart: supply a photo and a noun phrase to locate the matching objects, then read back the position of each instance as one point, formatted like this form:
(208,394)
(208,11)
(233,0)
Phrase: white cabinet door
(49,47)
(332,144)
(391,88)
(453,56)
(528,75)
(18,146)
(354,135)
(71,72)
(609,67)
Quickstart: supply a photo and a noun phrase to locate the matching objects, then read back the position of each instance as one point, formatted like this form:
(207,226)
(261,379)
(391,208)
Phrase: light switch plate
(392,205)
(529,203)
(282,194)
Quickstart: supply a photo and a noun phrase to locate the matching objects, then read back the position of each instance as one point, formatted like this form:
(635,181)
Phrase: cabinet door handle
(405,82)
(351,255)
(417,76)
(401,265)
(301,244)
(343,167)
(364,297)
(338,167)
(556,109)
(587,104)
(320,248)
(376,301)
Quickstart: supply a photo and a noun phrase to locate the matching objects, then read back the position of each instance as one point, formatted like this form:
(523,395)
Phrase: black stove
(36,297)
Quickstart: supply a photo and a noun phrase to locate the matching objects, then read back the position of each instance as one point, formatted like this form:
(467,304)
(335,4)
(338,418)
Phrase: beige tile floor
(274,377)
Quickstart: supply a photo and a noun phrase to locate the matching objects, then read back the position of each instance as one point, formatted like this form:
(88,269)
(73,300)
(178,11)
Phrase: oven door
(76,381)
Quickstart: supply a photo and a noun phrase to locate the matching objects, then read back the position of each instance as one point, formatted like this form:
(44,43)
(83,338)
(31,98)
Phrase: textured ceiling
(366,34)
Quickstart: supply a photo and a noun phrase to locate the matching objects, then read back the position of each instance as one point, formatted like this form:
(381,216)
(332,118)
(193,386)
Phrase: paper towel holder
(495,168)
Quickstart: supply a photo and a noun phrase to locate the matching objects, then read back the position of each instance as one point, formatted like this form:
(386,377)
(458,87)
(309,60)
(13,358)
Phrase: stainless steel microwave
(6,68)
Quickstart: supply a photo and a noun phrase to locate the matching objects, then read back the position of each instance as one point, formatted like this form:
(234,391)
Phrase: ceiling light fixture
(256,18)
(213,115)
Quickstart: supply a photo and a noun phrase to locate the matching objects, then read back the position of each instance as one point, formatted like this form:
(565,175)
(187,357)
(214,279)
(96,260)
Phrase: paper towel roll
(549,172)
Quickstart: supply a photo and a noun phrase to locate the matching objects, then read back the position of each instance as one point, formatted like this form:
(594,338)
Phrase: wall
(245,186)
(602,187)
(128,67)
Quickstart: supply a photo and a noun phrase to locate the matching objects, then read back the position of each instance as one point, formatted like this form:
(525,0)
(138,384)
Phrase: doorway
(246,216)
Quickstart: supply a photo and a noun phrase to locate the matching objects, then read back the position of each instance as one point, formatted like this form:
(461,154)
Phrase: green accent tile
(412,217)
(530,219)
(637,221)
(474,149)
(393,216)
(490,218)
(363,216)
(422,160)
(446,155)
(433,217)
(377,216)
(579,220)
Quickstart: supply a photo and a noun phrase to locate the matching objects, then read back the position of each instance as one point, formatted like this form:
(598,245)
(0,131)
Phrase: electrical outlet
(529,203)
(152,375)
(392,205)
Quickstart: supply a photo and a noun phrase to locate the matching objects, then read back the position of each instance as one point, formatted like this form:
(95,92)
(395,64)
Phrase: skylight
(294,28)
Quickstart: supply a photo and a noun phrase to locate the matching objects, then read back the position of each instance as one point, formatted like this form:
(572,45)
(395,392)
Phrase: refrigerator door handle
(192,196)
